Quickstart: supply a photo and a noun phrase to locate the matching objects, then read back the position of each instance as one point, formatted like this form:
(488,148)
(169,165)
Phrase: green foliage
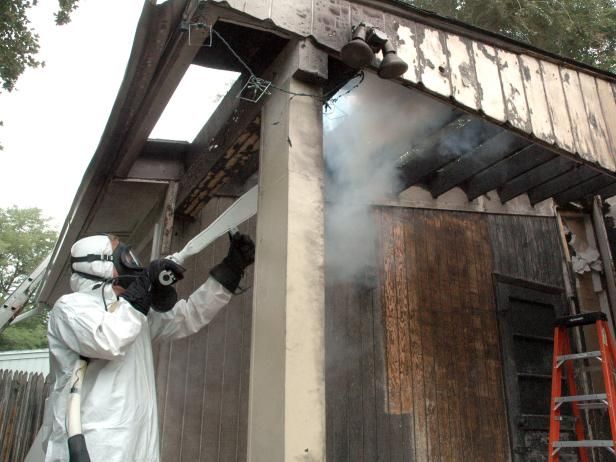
(63,16)
(25,240)
(19,43)
(584,30)
(30,334)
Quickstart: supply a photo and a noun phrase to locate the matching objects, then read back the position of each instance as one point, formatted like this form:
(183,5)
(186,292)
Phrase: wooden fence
(22,400)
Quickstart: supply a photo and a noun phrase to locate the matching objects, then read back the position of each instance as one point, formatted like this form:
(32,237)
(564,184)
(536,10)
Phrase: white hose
(73,425)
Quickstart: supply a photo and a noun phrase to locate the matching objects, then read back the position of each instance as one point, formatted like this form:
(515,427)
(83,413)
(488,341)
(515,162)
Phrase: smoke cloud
(366,133)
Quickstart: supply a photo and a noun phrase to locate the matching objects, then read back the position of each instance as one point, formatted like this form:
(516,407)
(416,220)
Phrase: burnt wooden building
(438,348)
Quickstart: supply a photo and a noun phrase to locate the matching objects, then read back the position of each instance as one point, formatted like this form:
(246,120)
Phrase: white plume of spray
(365,134)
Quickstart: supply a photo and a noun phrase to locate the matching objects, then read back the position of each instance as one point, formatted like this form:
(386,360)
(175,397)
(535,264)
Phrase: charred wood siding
(414,368)
(526,248)
(202,380)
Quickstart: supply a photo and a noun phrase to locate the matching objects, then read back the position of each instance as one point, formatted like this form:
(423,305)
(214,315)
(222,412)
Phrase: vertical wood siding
(22,402)
(506,86)
(202,380)
(526,248)
(414,369)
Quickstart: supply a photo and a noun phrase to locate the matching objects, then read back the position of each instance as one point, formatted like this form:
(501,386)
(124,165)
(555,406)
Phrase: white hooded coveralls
(118,398)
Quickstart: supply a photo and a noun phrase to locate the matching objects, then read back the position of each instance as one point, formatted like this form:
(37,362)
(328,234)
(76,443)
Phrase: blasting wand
(241,210)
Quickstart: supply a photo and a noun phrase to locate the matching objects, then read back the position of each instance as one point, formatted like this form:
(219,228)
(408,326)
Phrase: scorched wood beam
(495,149)
(607,192)
(539,175)
(561,183)
(230,134)
(584,189)
(508,168)
(441,147)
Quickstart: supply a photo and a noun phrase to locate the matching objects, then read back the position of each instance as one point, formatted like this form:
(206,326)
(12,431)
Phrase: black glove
(138,294)
(164,297)
(241,255)
(156,267)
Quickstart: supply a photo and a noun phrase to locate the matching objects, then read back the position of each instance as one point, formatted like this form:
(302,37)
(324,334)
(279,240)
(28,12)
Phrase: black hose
(77,450)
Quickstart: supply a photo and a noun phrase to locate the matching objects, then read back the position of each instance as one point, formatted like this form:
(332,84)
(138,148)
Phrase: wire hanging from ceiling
(264,85)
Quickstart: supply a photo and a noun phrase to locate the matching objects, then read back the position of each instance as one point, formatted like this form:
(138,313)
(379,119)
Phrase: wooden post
(286,419)
(606,258)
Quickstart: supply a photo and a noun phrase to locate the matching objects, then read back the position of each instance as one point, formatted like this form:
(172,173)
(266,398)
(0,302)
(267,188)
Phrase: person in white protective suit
(108,320)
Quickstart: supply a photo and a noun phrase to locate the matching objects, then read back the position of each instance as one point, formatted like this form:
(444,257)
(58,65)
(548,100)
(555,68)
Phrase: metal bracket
(187,27)
(254,89)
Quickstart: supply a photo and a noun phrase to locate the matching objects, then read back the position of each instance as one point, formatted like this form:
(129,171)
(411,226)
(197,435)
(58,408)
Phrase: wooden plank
(585,189)
(579,119)
(232,369)
(483,156)
(354,398)
(557,105)
(258,8)
(413,271)
(407,49)
(246,297)
(390,315)
(491,92)
(397,432)
(402,308)
(433,60)
(458,236)
(192,423)
(330,17)
(515,95)
(432,153)
(428,343)
(598,126)
(192,404)
(368,372)
(440,308)
(510,167)
(293,15)
(215,361)
(607,98)
(498,442)
(545,172)
(337,381)
(607,192)
(464,83)
(561,183)
(383,435)
(537,103)
(231,384)
(175,396)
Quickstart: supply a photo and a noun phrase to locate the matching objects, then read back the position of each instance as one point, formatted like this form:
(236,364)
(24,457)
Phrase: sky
(54,118)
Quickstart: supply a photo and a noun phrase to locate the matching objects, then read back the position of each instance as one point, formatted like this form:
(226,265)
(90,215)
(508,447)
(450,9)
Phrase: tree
(26,238)
(584,30)
(19,43)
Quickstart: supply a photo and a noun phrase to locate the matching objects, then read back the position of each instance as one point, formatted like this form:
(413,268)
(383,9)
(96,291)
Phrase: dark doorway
(526,312)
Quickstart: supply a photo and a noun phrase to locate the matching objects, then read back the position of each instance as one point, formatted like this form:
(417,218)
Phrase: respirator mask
(124,260)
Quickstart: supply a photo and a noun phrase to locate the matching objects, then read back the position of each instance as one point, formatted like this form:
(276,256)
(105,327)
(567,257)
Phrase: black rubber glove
(156,267)
(241,255)
(138,294)
(164,297)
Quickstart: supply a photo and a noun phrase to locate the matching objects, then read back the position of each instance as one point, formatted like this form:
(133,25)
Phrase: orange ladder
(564,359)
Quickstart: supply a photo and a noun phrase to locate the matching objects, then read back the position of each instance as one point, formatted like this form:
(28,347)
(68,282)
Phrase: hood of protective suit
(97,245)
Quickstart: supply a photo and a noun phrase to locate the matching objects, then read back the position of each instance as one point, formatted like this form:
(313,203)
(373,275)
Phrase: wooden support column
(287,373)
(606,257)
